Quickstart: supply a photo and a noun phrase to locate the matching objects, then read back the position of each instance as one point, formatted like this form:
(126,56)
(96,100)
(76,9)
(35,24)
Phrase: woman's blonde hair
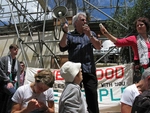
(45,76)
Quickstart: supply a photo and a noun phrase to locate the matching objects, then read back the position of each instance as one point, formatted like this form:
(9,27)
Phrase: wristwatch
(91,36)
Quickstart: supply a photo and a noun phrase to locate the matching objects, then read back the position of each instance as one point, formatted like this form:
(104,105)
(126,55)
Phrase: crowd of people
(79,71)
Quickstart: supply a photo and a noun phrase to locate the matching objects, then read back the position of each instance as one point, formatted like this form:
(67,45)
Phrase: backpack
(142,103)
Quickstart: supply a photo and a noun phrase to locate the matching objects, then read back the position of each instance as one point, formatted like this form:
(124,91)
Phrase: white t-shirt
(24,94)
(129,94)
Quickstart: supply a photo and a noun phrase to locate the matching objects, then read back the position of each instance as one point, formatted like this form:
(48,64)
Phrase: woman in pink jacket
(140,43)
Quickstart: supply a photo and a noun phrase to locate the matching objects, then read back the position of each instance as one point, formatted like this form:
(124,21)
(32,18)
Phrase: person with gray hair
(80,44)
(75,17)
(72,100)
(130,92)
(37,97)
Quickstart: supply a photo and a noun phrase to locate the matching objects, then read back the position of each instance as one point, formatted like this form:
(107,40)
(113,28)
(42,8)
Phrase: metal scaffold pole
(18,35)
(105,14)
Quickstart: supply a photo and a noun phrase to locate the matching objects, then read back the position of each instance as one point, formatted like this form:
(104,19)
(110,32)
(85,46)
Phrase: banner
(111,83)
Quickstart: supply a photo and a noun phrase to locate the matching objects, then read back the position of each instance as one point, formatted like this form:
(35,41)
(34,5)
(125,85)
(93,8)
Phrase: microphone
(85,25)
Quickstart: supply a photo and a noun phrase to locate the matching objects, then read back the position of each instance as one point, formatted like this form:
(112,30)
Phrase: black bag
(142,103)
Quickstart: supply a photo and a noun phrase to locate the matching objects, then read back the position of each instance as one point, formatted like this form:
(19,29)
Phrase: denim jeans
(9,92)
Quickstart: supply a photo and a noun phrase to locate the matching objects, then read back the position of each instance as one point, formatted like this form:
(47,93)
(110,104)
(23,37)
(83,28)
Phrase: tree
(140,9)
(127,16)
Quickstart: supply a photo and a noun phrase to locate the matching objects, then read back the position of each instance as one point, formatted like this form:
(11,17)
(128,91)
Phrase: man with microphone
(80,44)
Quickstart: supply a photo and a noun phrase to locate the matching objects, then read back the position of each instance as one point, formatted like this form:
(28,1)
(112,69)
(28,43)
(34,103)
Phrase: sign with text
(111,83)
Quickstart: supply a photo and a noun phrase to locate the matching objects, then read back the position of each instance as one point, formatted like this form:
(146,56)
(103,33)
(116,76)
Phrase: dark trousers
(9,93)
(90,85)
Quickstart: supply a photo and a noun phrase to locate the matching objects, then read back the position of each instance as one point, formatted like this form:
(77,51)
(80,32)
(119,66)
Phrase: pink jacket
(131,41)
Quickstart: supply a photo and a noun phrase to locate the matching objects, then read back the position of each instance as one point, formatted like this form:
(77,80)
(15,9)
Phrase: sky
(108,8)
(31,8)
(104,5)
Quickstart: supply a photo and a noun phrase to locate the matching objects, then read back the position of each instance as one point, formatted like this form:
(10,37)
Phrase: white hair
(75,17)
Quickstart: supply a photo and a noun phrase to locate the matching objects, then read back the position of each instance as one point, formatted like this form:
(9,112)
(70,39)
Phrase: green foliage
(127,16)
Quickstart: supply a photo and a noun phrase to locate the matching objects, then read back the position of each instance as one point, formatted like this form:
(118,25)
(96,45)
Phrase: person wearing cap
(80,44)
(9,70)
(72,99)
(36,97)
(134,90)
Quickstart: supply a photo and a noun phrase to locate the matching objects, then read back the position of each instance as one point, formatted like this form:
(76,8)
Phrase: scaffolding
(30,22)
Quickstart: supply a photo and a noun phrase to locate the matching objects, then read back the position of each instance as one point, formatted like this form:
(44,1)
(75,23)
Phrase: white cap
(69,70)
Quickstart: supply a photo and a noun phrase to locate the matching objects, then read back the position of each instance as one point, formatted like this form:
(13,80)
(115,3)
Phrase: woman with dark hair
(36,97)
(140,43)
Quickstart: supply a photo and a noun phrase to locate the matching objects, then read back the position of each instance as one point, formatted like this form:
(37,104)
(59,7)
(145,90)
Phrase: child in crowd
(72,100)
